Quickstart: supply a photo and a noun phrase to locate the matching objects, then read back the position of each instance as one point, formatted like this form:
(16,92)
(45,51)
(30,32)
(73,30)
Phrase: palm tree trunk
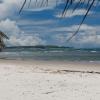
(2,45)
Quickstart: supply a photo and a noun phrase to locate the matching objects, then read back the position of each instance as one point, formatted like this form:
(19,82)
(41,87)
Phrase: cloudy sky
(37,25)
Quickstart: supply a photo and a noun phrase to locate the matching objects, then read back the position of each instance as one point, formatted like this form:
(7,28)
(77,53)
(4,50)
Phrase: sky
(43,25)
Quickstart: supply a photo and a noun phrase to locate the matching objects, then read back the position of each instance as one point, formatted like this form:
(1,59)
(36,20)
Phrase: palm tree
(2,45)
(88,4)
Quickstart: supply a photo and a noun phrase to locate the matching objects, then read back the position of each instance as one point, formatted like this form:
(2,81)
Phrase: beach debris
(62,71)
(49,92)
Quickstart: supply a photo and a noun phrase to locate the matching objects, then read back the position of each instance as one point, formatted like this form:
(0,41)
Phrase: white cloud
(35,22)
(25,40)
(9,26)
(70,13)
(88,36)
(9,8)
(73,28)
(17,37)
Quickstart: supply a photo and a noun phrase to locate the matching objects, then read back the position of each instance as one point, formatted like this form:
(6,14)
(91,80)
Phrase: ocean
(50,53)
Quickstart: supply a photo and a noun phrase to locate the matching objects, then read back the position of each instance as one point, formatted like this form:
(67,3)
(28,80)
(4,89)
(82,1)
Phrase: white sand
(39,80)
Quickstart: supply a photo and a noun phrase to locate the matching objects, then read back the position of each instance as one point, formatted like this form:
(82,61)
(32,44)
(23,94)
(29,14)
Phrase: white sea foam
(93,51)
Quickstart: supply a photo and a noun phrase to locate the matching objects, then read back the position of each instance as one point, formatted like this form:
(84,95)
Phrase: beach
(49,80)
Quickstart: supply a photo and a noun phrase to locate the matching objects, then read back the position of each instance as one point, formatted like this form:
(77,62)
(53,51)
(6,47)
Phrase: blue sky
(43,25)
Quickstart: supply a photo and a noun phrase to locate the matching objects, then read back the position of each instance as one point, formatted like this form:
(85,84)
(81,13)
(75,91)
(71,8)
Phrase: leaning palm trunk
(2,45)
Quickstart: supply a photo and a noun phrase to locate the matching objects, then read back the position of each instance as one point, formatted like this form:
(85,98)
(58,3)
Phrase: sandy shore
(49,80)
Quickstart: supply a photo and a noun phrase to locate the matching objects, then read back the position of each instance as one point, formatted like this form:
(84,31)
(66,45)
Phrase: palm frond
(88,9)
(22,6)
(87,4)
(3,35)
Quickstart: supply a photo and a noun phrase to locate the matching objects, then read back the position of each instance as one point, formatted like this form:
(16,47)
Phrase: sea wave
(55,51)
(93,51)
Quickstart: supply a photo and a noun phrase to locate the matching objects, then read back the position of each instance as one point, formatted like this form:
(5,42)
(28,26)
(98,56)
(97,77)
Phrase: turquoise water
(50,54)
